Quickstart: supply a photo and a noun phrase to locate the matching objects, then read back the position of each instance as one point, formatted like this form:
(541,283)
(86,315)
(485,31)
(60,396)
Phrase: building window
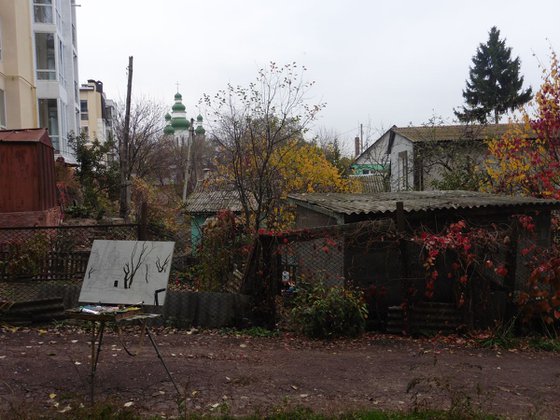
(61,61)
(43,11)
(2,109)
(74,43)
(48,118)
(45,56)
(84,110)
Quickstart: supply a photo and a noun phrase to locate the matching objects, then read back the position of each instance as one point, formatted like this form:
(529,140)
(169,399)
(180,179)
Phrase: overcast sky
(374,63)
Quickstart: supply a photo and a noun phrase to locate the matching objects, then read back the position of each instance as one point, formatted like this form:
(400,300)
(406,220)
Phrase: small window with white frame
(43,11)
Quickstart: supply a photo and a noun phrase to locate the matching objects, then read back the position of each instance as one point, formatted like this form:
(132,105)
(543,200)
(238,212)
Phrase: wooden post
(405,281)
(143,222)
(124,150)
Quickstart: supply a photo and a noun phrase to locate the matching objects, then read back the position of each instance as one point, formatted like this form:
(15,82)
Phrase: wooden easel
(98,324)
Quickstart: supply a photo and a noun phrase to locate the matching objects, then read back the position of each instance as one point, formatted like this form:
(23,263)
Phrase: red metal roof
(32,135)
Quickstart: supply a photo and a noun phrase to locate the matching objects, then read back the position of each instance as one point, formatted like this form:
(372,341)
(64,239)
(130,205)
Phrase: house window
(43,11)
(48,118)
(2,109)
(84,110)
(403,170)
(45,56)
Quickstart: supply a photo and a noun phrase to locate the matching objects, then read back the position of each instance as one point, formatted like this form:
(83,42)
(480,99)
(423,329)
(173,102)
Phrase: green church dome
(200,130)
(178,107)
(178,96)
(180,123)
(168,129)
(167,116)
(199,118)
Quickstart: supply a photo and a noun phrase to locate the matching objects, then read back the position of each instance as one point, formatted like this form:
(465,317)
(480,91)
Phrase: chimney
(357,148)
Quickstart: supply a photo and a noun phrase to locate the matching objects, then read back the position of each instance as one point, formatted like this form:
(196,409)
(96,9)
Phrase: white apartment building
(39,79)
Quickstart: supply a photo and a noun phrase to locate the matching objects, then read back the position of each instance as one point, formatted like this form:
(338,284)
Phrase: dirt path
(243,375)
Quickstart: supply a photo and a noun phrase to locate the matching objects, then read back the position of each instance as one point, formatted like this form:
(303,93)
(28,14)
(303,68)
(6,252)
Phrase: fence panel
(36,261)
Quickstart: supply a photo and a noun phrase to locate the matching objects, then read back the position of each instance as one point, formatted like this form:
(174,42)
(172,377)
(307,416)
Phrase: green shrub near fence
(321,311)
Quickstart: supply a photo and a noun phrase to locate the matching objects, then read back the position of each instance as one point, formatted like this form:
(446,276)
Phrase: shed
(27,180)
(204,203)
(366,262)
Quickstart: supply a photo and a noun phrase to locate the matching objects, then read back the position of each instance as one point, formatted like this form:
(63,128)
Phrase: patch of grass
(545,344)
(251,332)
(99,411)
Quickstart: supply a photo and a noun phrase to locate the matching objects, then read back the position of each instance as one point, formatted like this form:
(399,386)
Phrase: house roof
(213,201)
(28,135)
(413,201)
(452,132)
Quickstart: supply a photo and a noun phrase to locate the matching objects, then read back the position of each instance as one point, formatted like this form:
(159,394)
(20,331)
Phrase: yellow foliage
(526,159)
(305,169)
(164,206)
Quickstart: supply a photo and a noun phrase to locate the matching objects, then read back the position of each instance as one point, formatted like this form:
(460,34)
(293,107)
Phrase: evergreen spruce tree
(494,84)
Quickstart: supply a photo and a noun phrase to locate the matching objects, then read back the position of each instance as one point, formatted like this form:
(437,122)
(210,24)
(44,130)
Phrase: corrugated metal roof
(414,201)
(454,132)
(213,201)
(38,135)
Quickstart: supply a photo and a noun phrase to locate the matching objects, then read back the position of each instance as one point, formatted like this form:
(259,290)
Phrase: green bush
(320,311)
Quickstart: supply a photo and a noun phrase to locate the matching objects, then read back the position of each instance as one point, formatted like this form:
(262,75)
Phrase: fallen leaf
(128,404)
(77,363)
(52,395)
(65,409)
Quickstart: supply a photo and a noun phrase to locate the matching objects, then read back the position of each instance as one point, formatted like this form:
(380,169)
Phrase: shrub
(26,257)
(326,312)
(222,249)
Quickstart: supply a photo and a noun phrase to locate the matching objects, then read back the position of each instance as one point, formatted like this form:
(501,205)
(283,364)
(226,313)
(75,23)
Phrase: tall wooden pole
(124,150)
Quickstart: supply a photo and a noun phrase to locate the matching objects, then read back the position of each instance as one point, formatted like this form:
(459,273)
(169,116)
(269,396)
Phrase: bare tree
(250,124)
(146,148)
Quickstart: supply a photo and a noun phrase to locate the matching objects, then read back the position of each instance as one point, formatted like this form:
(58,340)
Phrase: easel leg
(95,355)
(161,359)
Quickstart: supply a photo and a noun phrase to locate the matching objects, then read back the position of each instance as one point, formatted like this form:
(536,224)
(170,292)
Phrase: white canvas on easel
(127,272)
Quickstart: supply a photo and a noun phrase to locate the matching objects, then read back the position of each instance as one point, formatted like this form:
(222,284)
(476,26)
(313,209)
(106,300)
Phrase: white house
(416,158)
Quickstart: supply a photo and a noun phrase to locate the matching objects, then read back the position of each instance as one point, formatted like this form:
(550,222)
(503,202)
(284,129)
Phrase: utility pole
(124,150)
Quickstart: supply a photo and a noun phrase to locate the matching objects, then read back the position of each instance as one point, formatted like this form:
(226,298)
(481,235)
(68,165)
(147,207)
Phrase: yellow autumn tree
(303,168)
(526,160)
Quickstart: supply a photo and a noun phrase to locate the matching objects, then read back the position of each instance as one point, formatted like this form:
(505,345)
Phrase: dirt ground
(47,368)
